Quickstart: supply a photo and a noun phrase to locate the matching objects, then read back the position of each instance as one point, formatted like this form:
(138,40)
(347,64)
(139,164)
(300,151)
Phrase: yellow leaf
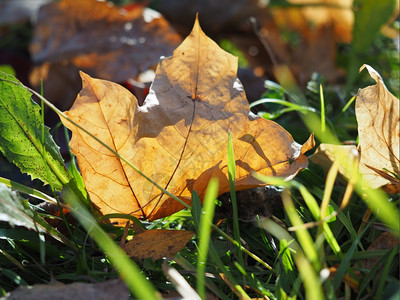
(179,136)
(377,112)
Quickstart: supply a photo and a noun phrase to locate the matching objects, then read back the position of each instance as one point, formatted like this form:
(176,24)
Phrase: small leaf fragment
(157,243)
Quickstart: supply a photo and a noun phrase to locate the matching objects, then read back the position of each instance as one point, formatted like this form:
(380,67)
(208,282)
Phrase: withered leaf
(157,243)
(336,13)
(179,136)
(78,291)
(104,40)
(385,241)
(377,112)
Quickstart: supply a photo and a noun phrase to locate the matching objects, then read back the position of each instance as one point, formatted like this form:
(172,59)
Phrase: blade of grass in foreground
(321,93)
(303,235)
(232,176)
(345,263)
(196,213)
(27,190)
(128,270)
(204,233)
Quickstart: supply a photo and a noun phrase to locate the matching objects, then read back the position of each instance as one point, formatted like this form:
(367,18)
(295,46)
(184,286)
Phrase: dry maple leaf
(377,112)
(179,136)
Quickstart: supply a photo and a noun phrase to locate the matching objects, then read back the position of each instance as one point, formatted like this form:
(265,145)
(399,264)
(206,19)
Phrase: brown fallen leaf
(385,241)
(112,289)
(179,136)
(319,28)
(14,12)
(377,112)
(157,243)
(307,17)
(104,40)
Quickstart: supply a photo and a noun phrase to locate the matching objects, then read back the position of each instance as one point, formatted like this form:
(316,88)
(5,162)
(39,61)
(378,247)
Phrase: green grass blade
(196,210)
(349,103)
(379,203)
(232,176)
(345,263)
(365,30)
(385,272)
(235,243)
(330,238)
(308,275)
(204,234)
(311,282)
(290,105)
(27,190)
(196,213)
(384,255)
(21,136)
(321,96)
(302,234)
(129,271)
(237,289)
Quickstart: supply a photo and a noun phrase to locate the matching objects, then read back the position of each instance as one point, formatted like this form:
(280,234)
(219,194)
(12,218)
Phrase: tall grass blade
(321,96)
(204,233)
(308,275)
(27,190)
(345,263)
(389,264)
(379,203)
(349,103)
(232,176)
(302,234)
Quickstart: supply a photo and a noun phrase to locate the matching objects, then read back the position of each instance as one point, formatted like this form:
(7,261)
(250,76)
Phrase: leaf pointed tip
(197,23)
(83,75)
(372,72)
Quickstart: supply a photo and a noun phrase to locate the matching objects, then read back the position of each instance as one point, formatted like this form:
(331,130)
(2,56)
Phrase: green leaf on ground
(24,140)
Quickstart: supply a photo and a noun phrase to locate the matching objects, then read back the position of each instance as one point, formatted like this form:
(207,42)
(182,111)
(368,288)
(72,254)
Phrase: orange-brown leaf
(157,243)
(99,38)
(377,112)
(179,136)
(335,13)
